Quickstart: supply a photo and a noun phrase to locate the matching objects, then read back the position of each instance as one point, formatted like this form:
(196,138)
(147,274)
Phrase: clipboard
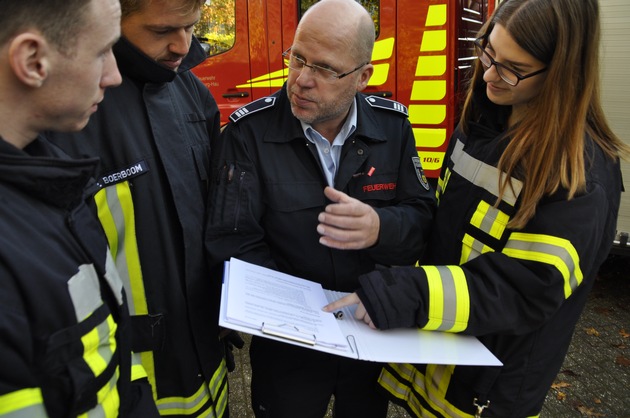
(345,337)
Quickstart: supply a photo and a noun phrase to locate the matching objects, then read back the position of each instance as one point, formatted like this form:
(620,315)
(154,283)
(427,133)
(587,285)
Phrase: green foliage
(217,25)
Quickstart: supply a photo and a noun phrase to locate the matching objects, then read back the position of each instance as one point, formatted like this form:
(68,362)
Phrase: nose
(180,42)
(111,76)
(306,77)
(491,74)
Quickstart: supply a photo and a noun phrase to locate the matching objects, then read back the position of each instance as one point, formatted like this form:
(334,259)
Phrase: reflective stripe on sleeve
(24,403)
(449,300)
(551,250)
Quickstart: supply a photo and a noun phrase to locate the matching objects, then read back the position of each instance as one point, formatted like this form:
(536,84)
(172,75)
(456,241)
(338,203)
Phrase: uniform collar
(43,171)
(285,127)
(135,64)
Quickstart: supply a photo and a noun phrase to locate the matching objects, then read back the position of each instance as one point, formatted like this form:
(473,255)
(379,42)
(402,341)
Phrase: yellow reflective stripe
(214,397)
(148,362)
(116,213)
(431,387)
(490,220)
(218,387)
(108,401)
(551,250)
(449,300)
(26,403)
(99,345)
(442,183)
(107,221)
(176,405)
(402,391)
(137,369)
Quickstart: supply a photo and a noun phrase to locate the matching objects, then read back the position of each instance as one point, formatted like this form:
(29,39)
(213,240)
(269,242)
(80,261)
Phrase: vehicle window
(372,6)
(216,29)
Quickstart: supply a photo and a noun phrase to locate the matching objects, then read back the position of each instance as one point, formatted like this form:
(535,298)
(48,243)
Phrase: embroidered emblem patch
(420,172)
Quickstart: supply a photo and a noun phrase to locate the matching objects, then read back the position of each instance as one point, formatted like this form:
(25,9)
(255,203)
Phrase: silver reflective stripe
(118,215)
(85,291)
(35,411)
(113,278)
(23,403)
(109,406)
(449,302)
(184,406)
(555,251)
(483,175)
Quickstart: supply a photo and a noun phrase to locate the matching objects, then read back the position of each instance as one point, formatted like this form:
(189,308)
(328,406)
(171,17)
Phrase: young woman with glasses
(528,201)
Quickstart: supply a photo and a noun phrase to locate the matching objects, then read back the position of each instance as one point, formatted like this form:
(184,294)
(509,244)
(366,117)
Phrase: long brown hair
(546,148)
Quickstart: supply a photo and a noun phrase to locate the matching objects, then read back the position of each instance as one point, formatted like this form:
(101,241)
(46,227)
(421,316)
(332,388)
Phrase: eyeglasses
(297,63)
(507,74)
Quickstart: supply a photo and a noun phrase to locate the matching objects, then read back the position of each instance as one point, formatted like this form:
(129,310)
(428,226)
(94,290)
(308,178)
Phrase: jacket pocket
(231,193)
(80,363)
(295,196)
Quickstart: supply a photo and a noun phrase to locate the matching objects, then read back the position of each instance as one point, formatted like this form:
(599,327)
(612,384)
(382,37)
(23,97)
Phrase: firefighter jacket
(270,185)
(520,292)
(153,136)
(65,346)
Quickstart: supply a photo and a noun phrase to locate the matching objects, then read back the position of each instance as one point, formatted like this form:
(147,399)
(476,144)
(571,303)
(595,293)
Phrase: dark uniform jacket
(153,136)
(520,291)
(270,190)
(65,345)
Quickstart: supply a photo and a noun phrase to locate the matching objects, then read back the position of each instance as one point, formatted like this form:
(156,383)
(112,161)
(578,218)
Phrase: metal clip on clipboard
(290,332)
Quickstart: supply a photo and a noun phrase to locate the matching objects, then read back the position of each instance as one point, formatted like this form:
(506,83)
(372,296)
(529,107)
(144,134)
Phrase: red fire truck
(422,51)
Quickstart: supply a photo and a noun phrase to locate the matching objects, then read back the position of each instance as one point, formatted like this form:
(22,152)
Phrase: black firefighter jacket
(153,136)
(65,346)
(270,190)
(520,291)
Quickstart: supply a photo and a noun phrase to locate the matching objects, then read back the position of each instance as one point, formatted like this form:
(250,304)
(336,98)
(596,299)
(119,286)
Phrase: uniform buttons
(360,151)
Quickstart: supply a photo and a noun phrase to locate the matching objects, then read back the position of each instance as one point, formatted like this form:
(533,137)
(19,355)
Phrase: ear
(366,74)
(29,58)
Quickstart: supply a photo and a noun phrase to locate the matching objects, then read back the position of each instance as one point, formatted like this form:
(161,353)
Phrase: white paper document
(270,304)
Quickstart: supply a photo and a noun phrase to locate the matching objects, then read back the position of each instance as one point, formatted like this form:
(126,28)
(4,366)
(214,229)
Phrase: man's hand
(352,299)
(347,224)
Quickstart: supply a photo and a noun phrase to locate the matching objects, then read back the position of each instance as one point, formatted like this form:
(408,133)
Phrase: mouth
(301,100)
(172,64)
(493,87)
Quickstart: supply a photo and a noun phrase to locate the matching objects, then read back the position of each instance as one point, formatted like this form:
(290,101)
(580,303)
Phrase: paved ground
(594,380)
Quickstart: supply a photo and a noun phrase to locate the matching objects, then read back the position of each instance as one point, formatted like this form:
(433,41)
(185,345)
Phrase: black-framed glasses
(507,74)
(297,63)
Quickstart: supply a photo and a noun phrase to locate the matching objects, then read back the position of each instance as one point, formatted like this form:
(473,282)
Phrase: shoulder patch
(382,103)
(253,107)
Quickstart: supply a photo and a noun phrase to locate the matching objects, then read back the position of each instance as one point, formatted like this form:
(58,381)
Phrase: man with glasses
(321,182)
